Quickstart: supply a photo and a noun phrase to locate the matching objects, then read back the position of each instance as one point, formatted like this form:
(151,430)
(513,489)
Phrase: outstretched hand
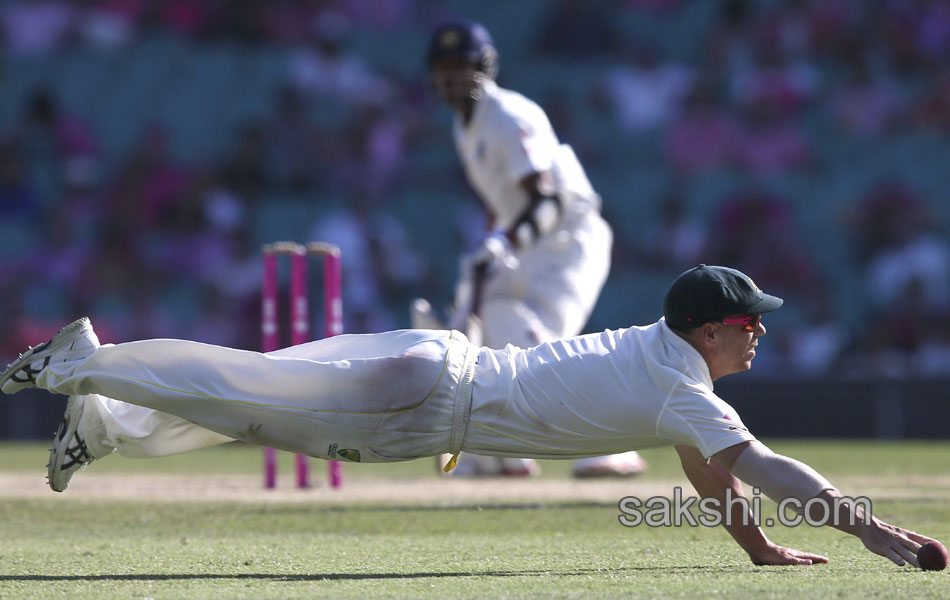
(894,543)
(780,555)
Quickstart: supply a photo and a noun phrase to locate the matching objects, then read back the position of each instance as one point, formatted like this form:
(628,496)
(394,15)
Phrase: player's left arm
(711,480)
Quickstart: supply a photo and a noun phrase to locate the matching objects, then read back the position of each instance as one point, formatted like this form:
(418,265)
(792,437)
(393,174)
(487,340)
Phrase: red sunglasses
(749,322)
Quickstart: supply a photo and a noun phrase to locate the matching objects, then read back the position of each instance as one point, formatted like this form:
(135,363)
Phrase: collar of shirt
(489,88)
(692,356)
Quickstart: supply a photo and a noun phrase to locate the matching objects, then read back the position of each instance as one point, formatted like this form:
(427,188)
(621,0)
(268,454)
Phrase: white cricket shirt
(508,138)
(596,394)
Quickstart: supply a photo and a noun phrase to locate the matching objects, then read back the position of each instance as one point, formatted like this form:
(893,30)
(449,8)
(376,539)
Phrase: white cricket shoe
(625,464)
(73,342)
(69,453)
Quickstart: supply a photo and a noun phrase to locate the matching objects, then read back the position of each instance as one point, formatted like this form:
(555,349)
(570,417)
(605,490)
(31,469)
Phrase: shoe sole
(60,443)
(62,339)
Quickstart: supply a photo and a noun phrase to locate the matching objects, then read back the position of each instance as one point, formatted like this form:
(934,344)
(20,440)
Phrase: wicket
(299,324)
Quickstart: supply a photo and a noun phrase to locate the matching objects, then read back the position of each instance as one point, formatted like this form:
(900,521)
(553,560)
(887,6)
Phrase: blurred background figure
(537,274)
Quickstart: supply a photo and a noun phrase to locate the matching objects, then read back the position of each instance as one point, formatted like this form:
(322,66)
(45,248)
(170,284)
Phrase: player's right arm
(711,480)
(780,477)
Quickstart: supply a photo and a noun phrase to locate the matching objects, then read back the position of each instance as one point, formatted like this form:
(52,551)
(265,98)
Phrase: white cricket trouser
(553,289)
(372,398)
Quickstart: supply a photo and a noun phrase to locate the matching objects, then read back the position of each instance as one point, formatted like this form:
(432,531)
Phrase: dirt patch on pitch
(417,491)
(429,491)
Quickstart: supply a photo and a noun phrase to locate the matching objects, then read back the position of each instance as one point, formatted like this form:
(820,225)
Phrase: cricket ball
(932,556)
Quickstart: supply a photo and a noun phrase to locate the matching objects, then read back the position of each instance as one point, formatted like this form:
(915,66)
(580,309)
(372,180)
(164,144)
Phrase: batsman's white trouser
(553,289)
(372,398)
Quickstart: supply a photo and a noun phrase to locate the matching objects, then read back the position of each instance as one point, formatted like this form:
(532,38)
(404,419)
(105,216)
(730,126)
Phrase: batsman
(538,273)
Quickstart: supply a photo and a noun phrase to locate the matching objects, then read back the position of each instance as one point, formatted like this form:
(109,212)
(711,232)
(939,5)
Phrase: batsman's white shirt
(402,395)
(508,138)
(550,291)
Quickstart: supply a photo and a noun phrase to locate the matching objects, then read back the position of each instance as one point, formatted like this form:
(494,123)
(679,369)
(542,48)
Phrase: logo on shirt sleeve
(734,427)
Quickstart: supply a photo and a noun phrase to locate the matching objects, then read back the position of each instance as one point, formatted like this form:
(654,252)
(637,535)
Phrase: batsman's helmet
(467,40)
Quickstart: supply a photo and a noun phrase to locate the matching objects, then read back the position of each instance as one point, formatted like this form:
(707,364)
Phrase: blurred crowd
(763,114)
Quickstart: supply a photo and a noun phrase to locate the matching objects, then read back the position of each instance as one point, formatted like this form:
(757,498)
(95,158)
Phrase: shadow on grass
(365,576)
(401,508)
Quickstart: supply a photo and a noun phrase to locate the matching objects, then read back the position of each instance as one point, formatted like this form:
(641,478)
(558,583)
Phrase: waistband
(463,397)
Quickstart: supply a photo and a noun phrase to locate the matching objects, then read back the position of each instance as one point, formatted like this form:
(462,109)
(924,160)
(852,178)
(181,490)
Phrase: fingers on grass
(908,555)
(894,557)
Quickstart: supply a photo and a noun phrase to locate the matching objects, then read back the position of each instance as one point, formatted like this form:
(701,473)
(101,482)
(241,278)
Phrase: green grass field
(343,544)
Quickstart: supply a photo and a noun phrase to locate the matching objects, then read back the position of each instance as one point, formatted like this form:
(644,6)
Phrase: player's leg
(139,432)
(295,399)
(94,427)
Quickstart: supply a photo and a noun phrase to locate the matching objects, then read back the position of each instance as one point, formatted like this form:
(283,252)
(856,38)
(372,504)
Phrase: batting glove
(494,251)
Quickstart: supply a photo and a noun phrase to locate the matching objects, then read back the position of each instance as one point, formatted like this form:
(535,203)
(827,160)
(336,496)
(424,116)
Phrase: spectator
(380,14)
(815,345)
(32,27)
(57,266)
(898,28)
(369,158)
(577,30)
(907,318)
(148,185)
(874,355)
(899,253)
(704,137)
(323,66)
(111,24)
(864,105)
(292,143)
(381,263)
(915,258)
(645,93)
(244,172)
(833,28)
(20,216)
(755,230)
(878,217)
(769,142)
(18,201)
(676,239)
(773,78)
(56,143)
(728,45)
(933,32)
(932,111)
(194,19)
